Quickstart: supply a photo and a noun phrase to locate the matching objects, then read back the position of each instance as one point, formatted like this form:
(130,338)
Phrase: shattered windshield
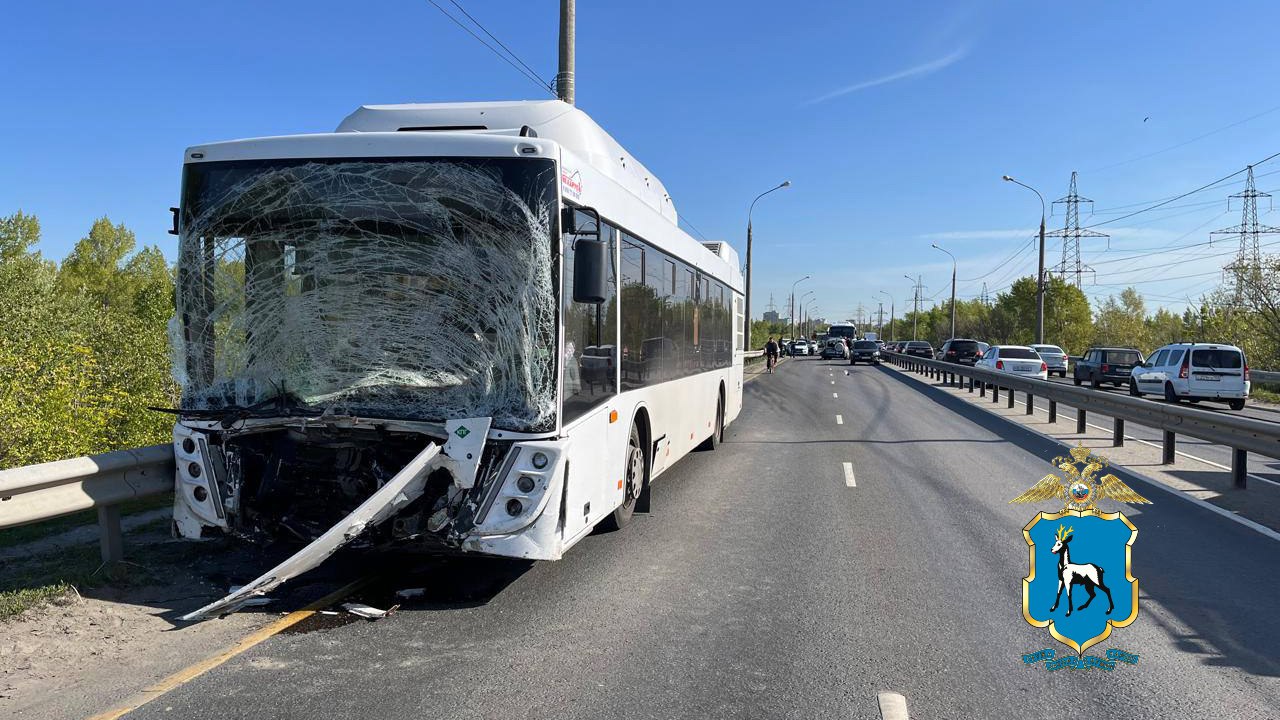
(401,288)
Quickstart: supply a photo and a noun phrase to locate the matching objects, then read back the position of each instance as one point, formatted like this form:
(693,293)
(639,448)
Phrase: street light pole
(746,332)
(953,289)
(1040,274)
(792,311)
(890,312)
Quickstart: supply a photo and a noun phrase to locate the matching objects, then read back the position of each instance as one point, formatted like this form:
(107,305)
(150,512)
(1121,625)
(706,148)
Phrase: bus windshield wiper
(282,404)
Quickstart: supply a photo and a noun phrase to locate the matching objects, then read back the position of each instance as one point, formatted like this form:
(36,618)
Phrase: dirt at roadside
(96,647)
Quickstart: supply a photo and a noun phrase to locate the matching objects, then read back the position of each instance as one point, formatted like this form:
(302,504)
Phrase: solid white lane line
(849,480)
(892,706)
(839,419)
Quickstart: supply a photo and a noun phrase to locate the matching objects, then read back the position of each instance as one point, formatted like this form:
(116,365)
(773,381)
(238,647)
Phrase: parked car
(1014,359)
(864,350)
(1054,357)
(959,350)
(800,347)
(919,348)
(1106,364)
(882,344)
(1194,371)
(596,364)
(834,349)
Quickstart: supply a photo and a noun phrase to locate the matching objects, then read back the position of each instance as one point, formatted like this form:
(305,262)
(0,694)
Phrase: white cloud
(928,68)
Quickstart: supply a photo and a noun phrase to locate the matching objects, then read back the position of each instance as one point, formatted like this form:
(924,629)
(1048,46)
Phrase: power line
(532,77)
(500,43)
(1187,142)
(1179,197)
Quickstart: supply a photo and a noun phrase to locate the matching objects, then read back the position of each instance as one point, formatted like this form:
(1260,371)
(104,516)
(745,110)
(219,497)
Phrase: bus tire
(717,429)
(634,483)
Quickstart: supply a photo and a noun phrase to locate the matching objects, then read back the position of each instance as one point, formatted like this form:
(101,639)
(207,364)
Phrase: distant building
(771,316)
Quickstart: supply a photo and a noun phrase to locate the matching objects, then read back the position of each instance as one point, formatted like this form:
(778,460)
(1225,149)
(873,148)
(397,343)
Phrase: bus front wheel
(633,483)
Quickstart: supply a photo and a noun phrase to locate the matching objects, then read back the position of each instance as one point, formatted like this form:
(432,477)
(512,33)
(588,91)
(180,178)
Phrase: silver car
(1055,358)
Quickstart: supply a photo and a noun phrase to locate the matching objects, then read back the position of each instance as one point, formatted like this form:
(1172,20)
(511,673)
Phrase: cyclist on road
(771,353)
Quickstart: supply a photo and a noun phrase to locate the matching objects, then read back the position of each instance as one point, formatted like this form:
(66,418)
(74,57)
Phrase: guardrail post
(1117,432)
(111,540)
(1010,393)
(1053,411)
(1080,421)
(995,393)
(982,389)
(1031,404)
(970,385)
(1170,446)
(1239,467)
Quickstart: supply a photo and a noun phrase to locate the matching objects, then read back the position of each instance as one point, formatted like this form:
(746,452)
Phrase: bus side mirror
(590,271)
(591,259)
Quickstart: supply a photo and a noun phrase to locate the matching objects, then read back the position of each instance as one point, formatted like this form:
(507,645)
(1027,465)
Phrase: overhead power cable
(1179,197)
(529,74)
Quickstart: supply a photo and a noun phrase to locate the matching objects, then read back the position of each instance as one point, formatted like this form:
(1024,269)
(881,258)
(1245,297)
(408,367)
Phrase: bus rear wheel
(633,483)
(717,430)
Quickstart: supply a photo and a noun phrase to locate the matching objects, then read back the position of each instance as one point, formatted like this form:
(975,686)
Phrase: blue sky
(894,121)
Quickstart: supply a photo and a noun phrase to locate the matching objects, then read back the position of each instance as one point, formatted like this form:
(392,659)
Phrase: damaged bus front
(348,306)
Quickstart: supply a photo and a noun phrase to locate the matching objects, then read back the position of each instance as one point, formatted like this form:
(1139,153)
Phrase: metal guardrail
(1242,434)
(752,353)
(1264,376)
(49,490)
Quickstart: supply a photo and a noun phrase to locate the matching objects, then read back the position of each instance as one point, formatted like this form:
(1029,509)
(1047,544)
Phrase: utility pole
(1248,259)
(1071,233)
(564,78)
(880,319)
(916,288)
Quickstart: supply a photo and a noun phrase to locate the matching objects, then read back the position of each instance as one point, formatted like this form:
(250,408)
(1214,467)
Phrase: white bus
(843,330)
(479,322)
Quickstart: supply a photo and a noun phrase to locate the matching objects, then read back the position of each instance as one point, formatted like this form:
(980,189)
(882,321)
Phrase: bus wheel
(717,431)
(633,483)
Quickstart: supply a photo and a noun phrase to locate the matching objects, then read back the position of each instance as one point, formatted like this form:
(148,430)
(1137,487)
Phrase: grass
(47,579)
(13,603)
(1265,393)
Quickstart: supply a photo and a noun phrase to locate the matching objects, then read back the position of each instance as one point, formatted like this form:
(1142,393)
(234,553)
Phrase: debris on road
(410,593)
(367,611)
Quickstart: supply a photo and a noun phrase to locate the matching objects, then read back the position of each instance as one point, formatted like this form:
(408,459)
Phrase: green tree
(1122,321)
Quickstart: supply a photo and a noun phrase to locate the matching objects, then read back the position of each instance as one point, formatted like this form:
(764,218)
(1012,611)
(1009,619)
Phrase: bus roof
(552,119)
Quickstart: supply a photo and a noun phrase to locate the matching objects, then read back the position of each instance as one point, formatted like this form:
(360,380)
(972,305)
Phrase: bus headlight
(523,491)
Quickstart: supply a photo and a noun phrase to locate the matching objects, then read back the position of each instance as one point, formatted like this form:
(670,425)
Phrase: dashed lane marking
(849,480)
(839,419)
(835,395)
(892,706)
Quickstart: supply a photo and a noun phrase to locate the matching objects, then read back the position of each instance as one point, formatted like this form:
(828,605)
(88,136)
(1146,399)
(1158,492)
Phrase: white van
(1194,371)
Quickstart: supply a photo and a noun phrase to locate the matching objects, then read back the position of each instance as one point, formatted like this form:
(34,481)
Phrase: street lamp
(1040,275)
(953,289)
(746,334)
(792,312)
(890,311)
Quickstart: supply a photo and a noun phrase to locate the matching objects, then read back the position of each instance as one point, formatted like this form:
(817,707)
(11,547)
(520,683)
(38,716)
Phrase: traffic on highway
(408,391)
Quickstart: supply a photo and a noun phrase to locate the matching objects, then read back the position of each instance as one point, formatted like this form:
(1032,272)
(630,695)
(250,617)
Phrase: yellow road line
(194,671)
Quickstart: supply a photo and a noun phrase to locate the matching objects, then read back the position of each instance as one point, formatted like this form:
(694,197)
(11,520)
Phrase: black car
(960,350)
(864,350)
(1106,364)
(919,348)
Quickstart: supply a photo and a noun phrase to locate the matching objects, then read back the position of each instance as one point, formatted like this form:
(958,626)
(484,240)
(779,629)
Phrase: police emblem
(1080,555)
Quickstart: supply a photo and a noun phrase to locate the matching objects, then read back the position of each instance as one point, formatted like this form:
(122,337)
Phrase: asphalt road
(763,585)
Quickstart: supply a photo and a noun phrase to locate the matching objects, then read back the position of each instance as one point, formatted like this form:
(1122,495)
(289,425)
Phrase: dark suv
(1106,364)
(919,348)
(959,350)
